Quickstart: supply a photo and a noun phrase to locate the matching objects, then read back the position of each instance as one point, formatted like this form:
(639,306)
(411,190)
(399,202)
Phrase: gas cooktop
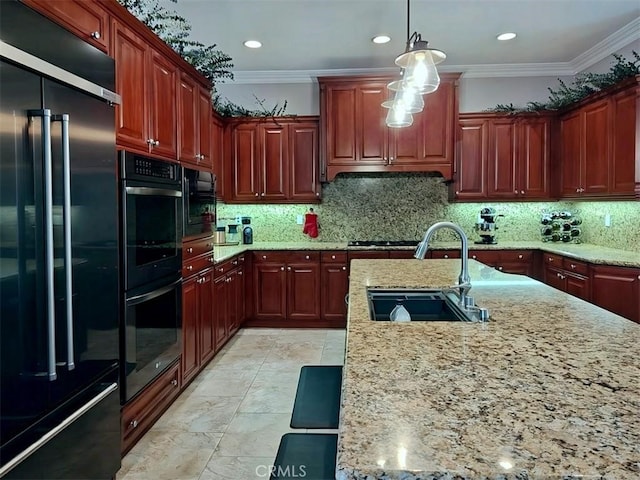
(383,243)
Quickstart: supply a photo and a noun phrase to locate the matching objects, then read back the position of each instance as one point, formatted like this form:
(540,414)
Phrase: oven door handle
(156,293)
(163,192)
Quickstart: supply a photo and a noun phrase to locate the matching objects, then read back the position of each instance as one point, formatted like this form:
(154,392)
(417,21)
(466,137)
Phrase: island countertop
(548,388)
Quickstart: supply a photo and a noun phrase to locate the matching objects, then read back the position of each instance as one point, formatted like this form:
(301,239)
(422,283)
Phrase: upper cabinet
(274,160)
(88,20)
(355,138)
(194,105)
(503,157)
(146,80)
(598,137)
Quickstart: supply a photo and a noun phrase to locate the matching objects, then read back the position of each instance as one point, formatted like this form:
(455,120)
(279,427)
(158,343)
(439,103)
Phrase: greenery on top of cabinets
(583,85)
(212,63)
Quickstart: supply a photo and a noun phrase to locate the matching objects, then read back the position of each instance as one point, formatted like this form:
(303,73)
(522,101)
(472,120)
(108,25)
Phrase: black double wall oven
(151,226)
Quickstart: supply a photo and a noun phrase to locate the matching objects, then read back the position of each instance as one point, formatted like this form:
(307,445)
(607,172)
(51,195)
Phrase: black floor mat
(308,456)
(317,403)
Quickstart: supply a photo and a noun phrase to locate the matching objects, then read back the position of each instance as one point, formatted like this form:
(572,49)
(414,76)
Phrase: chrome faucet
(464,281)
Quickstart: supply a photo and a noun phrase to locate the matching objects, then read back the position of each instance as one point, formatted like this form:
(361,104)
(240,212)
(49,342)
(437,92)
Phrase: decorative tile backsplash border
(402,206)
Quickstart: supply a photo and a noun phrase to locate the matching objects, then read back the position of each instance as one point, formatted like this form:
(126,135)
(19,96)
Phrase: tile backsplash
(402,206)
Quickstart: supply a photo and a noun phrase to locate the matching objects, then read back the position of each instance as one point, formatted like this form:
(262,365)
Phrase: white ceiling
(305,38)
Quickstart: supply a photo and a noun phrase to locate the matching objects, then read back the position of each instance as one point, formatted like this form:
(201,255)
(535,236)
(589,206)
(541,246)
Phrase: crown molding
(625,36)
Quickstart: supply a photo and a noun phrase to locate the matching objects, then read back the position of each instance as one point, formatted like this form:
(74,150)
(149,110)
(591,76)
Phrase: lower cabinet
(617,289)
(229,299)
(286,289)
(570,276)
(140,413)
(520,262)
(334,286)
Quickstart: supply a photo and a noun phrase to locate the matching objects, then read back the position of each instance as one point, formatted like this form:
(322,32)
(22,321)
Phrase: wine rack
(561,226)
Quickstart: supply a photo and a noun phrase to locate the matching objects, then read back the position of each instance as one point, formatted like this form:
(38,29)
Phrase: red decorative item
(310,224)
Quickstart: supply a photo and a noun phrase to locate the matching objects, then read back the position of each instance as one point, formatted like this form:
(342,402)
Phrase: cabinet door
(617,289)
(232,301)
(533,158)
(596,151)
(501,161)
(241,298)
(372,139)
(488,257)
(132,115)
(85,19)
(338,104)
(163,108)
(188,93)
(190,353)
(570,154)
(303,291)
(273,147)
(245,174)
(624,137)
(205,304)
(217,156)
(555,278)
(471,160)
(303,162)
(270,291)
(204,128)
(334,281)
(220,311)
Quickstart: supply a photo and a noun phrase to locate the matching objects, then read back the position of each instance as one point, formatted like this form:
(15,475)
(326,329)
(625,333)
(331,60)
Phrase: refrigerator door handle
(156,293)
(162,192)
(68,267)
(48,228)
(18,459)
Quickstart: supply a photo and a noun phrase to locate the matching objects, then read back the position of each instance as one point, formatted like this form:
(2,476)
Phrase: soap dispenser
(399,314)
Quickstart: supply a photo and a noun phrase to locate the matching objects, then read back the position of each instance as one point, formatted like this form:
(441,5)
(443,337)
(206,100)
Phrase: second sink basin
(422,305)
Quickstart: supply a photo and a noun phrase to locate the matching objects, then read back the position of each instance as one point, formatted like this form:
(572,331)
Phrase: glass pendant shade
(420,68)
(409,98)
(398,117)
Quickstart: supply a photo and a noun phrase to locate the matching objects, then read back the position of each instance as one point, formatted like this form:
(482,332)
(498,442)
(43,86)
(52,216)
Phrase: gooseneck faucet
(464,281)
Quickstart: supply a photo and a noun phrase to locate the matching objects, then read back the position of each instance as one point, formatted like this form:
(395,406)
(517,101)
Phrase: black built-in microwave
(199,199)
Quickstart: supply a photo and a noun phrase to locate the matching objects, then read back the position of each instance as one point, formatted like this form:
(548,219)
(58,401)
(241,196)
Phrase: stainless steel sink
(422,305)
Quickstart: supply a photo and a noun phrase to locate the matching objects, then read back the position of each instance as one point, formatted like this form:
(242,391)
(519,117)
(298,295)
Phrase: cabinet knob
(500,268)
(446,256)
(473,256)
(257,194)
(307,257)
(174,382)
(573,266)
(235,262)
(519,256)
(133,423)
(189,267)
(197,156)
(264,257)
(345,268)
(289,268)
(228,280)
(550,259)
(282,269)
(150,141)
(262,194)
(515,191)
(558,274)
(211,260)
(333,257)
(521,192)
(317,194)
(95,35)
(189,250)
(457,192)
(240,273)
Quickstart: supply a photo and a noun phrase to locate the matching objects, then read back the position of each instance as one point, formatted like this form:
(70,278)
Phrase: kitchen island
(548,388)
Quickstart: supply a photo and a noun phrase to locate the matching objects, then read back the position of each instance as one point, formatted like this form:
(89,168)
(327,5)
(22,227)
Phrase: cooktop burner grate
(383,243)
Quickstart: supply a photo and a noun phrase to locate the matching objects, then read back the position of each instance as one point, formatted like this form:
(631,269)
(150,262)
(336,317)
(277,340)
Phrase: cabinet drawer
(270,257)
(223,268)
(139,414)
(575,266)
(197,247)
(551,259)
(301,257)
(515,256)
(367,254)
(333,257)
(445,254)
(196,264)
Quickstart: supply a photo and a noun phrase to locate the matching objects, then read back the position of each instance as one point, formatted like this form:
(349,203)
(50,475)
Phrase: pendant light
(419,74)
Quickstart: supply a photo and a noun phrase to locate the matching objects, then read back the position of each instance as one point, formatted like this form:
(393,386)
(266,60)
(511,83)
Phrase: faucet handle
(469,302)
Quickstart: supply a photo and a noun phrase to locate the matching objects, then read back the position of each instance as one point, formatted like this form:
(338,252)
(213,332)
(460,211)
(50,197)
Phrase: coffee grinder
(247,231)
(486,226)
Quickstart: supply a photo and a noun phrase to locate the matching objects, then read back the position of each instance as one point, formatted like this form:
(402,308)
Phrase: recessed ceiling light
(381,39)
(506,36)
(252,44)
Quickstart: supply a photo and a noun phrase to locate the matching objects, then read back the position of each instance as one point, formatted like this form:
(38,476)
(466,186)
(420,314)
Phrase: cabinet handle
(317,194)
(573,266)
(221,270)
(519,256)
(550,259)
(306,257)
(473,256)
(174,382)
(235,262)
(515,191)
(189,250)
(500,268)
(189,267)
(558,275)
(197,157)
(521,192)
(257,194)
(345,268)
(264,257)
(240,273)
(289,268)
(133,423)
(95,35)
(262,194)
(446,256)
(211,260)
(457,192)
(228,280)
(282,269)
(150,141)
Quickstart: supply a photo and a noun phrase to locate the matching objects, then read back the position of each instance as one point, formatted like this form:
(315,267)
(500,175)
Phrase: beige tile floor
(228,422)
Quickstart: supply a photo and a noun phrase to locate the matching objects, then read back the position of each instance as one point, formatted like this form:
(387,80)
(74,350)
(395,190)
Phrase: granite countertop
(584,251)
(548,388)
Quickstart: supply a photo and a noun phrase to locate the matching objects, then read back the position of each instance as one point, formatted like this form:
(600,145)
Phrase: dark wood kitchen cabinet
(566,274)
(504,157)
(617,289)
(217,156)
(194,107)
(87,20)
(355,138)
(146,120)
(273,161)
(228,298)
(598,138)
(334,286)
(520,262)
(286,289)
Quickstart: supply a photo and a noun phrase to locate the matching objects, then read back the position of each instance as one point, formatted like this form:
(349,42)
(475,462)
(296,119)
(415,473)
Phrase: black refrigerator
(59,339)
